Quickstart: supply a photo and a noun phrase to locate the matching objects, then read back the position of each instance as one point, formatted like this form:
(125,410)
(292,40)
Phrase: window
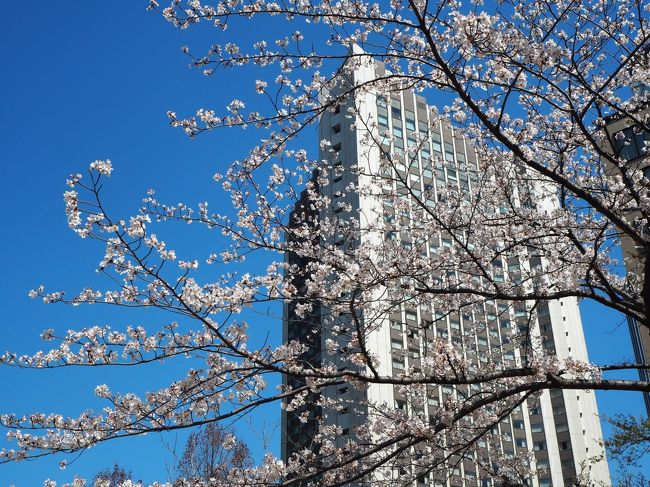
(464,182)
(396,325)
(630,143)
(549,344)
(410,121)
(396,344)
(539,446)
(521,442)
(436,142)
(537,428)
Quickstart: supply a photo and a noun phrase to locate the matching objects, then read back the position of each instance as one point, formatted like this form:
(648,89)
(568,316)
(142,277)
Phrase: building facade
(559,430)
(627,140)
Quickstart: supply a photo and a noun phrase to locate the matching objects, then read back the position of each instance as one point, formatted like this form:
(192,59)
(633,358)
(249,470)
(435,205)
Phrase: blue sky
(84,81)
(91,80)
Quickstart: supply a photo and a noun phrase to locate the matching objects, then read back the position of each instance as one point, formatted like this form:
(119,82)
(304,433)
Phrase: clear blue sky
(86,80)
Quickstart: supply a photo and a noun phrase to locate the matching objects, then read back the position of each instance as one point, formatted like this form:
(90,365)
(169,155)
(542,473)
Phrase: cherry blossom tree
(530,84)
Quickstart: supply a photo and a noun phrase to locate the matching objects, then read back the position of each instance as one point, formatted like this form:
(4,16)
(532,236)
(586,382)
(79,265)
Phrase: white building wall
(581,409)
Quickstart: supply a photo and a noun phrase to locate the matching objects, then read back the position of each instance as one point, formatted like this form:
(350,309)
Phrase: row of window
(421,139)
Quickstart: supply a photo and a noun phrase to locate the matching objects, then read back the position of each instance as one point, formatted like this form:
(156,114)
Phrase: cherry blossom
(530,86)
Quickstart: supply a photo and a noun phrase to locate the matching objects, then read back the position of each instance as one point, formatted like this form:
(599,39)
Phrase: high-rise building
(559,429)
(626,139)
